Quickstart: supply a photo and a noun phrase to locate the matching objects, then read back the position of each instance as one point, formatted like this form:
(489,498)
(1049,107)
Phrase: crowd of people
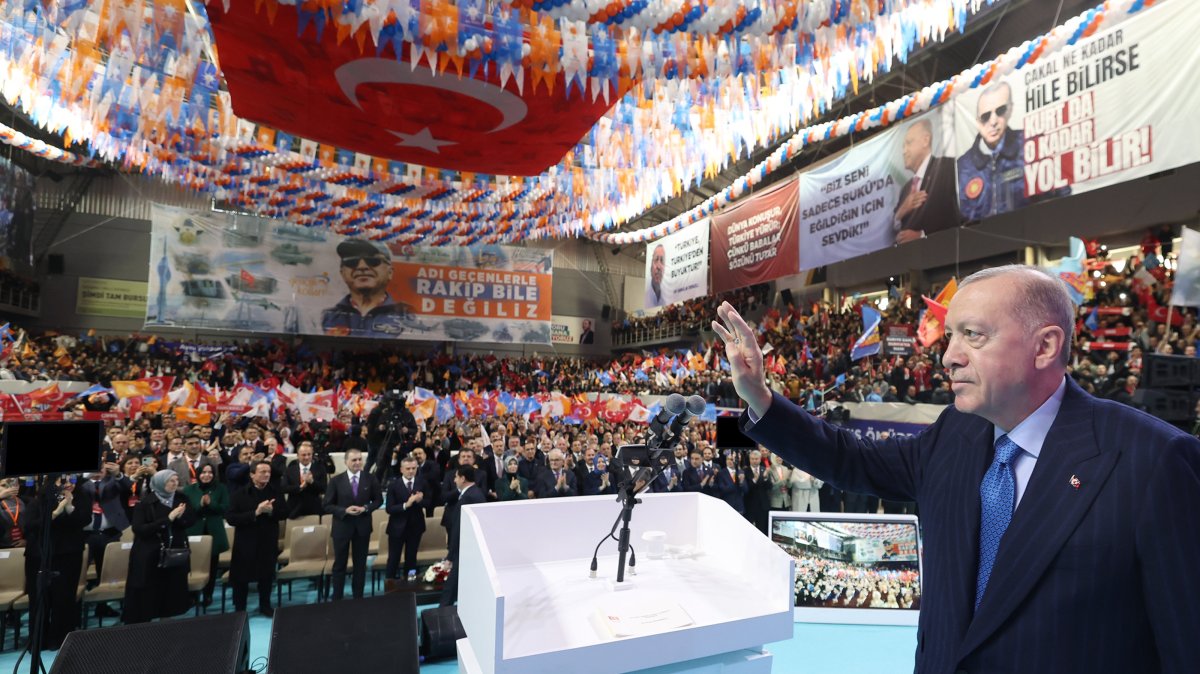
(832,583)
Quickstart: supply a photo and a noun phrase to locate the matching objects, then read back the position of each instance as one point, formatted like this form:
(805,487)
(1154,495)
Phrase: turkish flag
(341,95)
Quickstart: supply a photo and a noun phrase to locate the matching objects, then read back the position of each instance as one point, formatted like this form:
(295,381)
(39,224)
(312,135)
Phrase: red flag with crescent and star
(350,97)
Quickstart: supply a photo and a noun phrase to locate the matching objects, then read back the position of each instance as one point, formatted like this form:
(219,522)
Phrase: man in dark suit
(1059,529)
(304,482)
(431,474)
(351,498)
(758,492)
(697,477)
(108,517)
(556,480)
(928,201)
(469,494)
(406,521)
(254,512)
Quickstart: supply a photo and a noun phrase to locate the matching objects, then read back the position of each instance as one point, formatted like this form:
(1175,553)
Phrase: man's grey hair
(1041,300)
(993,88)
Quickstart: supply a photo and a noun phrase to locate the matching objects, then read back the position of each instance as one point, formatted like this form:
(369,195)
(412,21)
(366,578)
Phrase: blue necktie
(997,493)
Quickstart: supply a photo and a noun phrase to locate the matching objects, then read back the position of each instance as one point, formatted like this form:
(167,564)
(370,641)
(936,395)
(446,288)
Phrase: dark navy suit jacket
(1099,569)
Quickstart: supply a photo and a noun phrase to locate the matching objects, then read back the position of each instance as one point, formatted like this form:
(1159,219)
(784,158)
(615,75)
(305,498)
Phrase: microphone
(693,408)
(674,405)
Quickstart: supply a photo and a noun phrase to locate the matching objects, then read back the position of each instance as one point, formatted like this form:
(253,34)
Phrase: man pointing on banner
(1059,529)
(367,310)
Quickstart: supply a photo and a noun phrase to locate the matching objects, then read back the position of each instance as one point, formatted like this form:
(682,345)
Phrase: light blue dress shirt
(1029,435)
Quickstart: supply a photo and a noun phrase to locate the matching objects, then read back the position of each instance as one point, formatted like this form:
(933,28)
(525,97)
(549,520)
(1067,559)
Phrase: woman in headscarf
(211,500)
(160,520)
(511,486)
(598,480)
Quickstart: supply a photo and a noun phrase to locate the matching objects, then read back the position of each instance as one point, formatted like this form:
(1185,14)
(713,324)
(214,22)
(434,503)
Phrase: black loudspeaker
(1167,371)
(204,645)
(55,264)
(786,296)
(377,635)
(1165,404)
(605,312)
(440,631)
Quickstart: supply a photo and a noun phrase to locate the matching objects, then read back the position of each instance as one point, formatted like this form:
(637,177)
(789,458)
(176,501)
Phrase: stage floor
(821,649)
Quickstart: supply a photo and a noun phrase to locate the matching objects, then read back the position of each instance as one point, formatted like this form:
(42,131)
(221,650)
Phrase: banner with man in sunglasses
(234,272)
(1114,107)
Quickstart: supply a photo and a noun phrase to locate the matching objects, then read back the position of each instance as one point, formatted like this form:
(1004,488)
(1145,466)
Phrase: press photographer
(390,432)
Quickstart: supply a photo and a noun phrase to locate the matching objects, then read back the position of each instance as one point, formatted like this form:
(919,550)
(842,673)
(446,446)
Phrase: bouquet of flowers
(438,573)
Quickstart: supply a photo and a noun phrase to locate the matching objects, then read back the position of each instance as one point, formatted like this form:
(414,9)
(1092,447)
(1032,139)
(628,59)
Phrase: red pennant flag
(358,100)
(247,277)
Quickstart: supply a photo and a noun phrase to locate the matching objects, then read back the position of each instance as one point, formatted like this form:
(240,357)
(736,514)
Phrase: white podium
(528,605)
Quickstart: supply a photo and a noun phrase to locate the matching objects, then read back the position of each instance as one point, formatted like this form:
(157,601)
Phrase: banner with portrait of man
(234,272)
(1115,106)
(677,266)
(894,188)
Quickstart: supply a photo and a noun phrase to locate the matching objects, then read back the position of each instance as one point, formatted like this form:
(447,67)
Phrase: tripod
(47,502)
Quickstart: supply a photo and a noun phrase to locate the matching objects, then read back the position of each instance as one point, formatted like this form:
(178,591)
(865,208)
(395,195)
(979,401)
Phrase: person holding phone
(70,511)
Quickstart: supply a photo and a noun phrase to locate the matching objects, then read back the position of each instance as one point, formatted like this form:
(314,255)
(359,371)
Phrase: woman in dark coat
(160,519)
(255,512)
(598,480)
(211,500)
(70,511)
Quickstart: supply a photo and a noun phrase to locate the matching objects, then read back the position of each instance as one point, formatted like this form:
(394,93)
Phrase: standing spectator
(758,492)
(212,500)
(731,484)
(71,510)
(511,486)
(469,494)
(781,495)
(805,492)
(406,523)
(556,480)
(598,481)
(161,520)
(11,515)
(432,475)
(108,517)
(304,482)
(254,512)
(188,465)
(351,498)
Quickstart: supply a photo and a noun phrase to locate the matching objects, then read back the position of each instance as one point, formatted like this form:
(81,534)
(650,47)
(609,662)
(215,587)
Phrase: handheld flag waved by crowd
(932,324)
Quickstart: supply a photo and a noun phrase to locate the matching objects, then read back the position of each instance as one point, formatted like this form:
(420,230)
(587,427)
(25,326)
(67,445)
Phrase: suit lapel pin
(1075,482)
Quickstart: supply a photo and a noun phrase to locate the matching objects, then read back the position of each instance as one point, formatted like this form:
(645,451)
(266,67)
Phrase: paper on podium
(637,614)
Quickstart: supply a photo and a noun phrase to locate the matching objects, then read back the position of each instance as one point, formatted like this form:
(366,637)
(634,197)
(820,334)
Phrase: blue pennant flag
(868,344)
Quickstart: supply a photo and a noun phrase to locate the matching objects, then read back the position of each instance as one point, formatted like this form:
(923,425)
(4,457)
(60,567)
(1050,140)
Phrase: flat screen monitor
(50,447)
(729,436)
(852,568)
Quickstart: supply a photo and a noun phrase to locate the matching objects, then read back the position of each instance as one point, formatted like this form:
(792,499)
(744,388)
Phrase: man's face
(530,452)
(408,469)
(992,113)
(556,462)
(466,457)
(354,462)
(245,454)
(120,443)
(419,455)
(697,460)
(991,354)
(156,435)
(707,453)
(304,454)
(192,447)
(175,446)
(251,434)
(368,273)
(262,475)
(588,455)
(917,146)
(680,452)
(658,265)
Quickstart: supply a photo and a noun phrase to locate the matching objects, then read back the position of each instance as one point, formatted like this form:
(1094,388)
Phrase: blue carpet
(820,649)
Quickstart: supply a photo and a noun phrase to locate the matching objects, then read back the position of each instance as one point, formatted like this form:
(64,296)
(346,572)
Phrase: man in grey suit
(188,466)
(351,498)
(1059,529)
